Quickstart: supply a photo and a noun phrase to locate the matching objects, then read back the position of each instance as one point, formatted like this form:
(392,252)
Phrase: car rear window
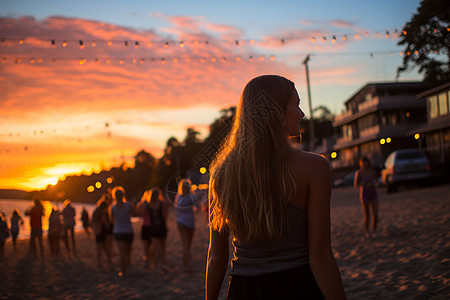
(409,155)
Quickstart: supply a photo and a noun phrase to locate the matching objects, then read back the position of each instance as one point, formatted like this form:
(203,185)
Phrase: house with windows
(434,136)
(379,118)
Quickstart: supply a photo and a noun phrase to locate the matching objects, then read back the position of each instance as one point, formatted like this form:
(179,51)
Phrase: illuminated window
(433,108)
(443,107)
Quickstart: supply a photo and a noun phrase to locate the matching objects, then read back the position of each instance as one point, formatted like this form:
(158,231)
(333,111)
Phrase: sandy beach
(409,258)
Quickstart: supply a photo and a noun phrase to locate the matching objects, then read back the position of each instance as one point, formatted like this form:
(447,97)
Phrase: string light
(166,45)
(136,45)
(21,41)
(313,40)
(53,43)
(333,40)
(387,34)
(81,44)
(213,59)
(237,43)
(126,43)
(181,44)
(93,44)
(109,43)
(344,37)
(250,59)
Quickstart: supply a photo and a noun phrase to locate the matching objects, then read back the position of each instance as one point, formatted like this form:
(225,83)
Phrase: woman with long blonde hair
(184,205)
(274,199)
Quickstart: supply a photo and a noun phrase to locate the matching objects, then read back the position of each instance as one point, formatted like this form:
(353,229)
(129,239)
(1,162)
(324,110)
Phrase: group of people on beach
(112,220)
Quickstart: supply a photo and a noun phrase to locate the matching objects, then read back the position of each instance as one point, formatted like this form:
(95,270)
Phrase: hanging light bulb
(109,43)
(404,32)
(32,60)
(163,61)
(4,60)
(224,59)
(93,44)
(134,60)
(387,34)
(175,60)
(282,42)
(82,61)
(142,61)
(166,45)
(344,37)
(333,40)
(20,41)
(250,58)
(366,34)
(188,60)
(121,61)
(181,44)
(126,43)
(324,38)
(238,59)
(202,60)
(272,58)
(262,58)
(313,39)
(81,44)
(237,43)
(213,59)
(150,44)
(40,60)
(356,36)
(136,45)
(252,41)
(53,43)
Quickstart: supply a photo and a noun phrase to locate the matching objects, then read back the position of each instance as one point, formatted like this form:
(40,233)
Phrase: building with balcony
(379,118)
(434,136)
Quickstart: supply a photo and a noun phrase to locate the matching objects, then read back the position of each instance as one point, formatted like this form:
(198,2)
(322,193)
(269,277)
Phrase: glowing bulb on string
(17,60)
(93,44)
(53,43)
(64,44)
(313,39)
(404,32)
(108,61)
(252,41)
(202,60)
(134,60)
(282,41)
(213,59)
(401,53)
(196,42)
(416,52)
(223,60)
(238,59)
(262,58)
(344,37)
(166,45)
(150,44)
(324,38)
(32,60)
(109,43)
(250,59)
(21,41)
(408,53)
(181,44)
(175,60)
(272,58)
(81,44)
(4,60)
(188,60)
(163,61)
(366,34)
(333,40)
(387,34)
(142,61)
(121,61)
(356,36)
(82,61)
(136,45)
(237,43)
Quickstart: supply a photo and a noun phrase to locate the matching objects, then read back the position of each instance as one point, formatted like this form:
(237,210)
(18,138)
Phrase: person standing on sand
(69,226)
(4,233)
(158,227)
(184,205)
(54,232)
(365,179)
(16,222)
(85,220)
(144,210)
(123,230)
(36,213)
(101,226)
(274,199)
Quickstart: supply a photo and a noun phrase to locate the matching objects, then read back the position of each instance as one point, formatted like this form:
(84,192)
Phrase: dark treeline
(180,159)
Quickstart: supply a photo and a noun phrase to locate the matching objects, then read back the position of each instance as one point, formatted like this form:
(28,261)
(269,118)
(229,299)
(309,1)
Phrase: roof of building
(416,86)
(434,90)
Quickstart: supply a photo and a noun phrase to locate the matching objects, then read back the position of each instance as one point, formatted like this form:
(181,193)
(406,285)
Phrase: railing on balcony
(342,116)
(367,104)
(369,131)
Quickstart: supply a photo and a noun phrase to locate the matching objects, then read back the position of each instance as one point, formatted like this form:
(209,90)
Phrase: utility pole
(312,136)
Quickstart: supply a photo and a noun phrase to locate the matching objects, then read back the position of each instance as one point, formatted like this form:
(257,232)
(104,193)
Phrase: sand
(409,258)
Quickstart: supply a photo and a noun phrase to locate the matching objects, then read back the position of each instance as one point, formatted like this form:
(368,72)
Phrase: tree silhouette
(426,41)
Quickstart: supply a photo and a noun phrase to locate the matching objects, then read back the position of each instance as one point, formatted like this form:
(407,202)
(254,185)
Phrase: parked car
(405,166)
(347,180)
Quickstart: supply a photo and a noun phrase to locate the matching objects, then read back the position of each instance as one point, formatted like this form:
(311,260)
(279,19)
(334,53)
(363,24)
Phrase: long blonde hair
(251,179)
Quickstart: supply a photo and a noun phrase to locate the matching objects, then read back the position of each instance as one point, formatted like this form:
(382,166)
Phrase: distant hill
(14,194)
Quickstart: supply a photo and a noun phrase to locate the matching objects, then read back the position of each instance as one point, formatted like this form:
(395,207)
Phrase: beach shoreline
(409,258)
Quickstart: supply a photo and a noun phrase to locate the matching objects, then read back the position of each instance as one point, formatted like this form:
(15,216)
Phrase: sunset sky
(85,85)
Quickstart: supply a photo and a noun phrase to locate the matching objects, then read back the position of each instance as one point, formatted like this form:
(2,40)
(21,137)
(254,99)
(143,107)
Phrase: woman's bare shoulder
(309,160)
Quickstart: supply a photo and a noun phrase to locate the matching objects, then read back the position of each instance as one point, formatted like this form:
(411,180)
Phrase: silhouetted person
(85,220)
(54,232)
(36,213)
(4,233)
(100,225)
(69,226)
(16,222)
